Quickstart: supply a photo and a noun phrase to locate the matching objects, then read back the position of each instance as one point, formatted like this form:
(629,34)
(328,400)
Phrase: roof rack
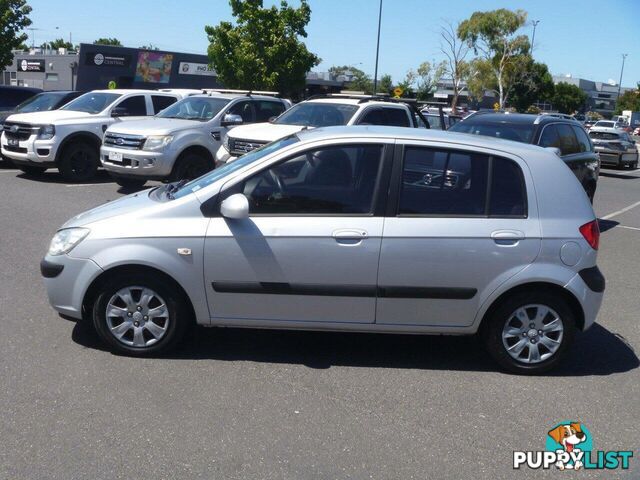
(248,93)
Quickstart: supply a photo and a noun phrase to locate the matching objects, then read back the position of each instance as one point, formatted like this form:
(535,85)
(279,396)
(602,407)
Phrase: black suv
(559,131)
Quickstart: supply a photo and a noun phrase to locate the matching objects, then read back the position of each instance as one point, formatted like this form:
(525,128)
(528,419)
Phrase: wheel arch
(549,287)
(86,137)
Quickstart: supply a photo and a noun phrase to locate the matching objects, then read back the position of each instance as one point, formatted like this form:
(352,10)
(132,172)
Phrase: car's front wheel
(79,162)
(140,315)
(530,332)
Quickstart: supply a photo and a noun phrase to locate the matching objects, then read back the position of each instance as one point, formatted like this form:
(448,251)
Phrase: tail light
(591,233)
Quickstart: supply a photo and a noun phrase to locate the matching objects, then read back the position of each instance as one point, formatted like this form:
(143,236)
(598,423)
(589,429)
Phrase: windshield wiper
(174,187)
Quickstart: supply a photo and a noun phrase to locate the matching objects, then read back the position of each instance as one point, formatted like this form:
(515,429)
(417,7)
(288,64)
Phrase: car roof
(516,118)
(20,88)
(124,91)
(231,96)
(391,133)
(352,101)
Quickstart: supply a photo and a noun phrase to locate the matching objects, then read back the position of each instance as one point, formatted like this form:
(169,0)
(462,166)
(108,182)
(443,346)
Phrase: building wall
(47,71)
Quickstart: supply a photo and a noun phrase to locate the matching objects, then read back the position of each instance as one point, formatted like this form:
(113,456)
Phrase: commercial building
(602,96)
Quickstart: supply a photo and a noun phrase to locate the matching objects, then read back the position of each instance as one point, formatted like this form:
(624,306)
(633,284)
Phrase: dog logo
(568,436)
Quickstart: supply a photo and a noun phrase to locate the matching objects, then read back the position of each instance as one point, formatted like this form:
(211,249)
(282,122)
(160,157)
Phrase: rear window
(604,135)
(518,132)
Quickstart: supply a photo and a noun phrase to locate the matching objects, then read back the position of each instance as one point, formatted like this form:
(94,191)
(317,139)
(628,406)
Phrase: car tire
(192,165)
(516,325)
(79,162)
(131,183)
(132,329)
(32,170)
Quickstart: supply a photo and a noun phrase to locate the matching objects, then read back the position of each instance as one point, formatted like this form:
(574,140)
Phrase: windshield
(518,132)
(92,102)
(195,108)
(230,167)
(605,124)
(42,102)
(312,114)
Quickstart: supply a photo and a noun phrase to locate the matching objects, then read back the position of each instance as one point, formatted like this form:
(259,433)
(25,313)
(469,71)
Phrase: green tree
(532,83)
(568,98)
(14,18)
(492,35)
(58,43)
(151,46)
(385,84)
(360,81)
(427,77)
(108,41)
(263,49)
(629,100)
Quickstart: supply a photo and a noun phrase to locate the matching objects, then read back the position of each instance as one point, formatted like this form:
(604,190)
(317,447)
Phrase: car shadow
(620,175)
(53,176)
(595,352)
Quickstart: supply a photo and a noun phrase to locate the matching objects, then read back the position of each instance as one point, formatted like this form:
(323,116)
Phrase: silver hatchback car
(369,229)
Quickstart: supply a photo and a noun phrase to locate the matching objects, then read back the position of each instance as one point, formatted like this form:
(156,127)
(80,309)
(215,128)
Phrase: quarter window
(331,180)
(507,197)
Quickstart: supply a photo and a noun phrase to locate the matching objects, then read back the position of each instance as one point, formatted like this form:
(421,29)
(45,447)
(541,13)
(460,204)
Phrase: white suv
(323,111)
(69,139)
(181,141)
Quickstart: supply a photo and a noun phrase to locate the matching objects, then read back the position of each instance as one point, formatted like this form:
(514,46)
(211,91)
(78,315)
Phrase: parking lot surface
(272,404)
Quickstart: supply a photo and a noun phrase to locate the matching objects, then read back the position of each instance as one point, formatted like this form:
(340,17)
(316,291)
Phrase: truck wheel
(79,162)
(130,182)
(32,170)
(192,165)
(530,332)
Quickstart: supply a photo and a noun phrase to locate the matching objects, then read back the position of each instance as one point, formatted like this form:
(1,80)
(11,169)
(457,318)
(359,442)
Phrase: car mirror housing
(231,120)
(236,207)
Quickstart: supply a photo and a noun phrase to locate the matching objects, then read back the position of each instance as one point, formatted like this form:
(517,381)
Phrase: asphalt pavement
(244,404)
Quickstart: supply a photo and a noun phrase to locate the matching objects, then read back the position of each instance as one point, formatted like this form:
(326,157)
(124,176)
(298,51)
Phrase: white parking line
(9,171)
(622,210)
(86,184)
(628,228)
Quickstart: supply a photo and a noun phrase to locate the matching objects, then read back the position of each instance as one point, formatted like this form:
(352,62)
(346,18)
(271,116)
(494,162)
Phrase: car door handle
(507,237)
(350,234)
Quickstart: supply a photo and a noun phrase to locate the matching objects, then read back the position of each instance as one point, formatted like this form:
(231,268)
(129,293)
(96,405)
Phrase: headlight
(225,142)
(46,132)
(157,142)
(64,240)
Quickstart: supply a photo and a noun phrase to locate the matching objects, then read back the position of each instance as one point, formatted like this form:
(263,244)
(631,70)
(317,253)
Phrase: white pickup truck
(69,139)
(322,111)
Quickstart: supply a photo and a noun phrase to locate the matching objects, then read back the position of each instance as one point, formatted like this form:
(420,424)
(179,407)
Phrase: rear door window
(374,116)
(568,141)
(550,137)
(266,110)
(135,106)
(583,140)
(244,109)
(397,117)
(160,102)
(508,194)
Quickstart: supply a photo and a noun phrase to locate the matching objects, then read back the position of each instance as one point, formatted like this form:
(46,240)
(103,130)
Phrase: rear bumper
(589,299)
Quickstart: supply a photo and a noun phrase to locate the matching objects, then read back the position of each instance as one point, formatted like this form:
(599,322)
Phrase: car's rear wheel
(140,315)
(530,332)
(192,165)
(32,170)
(79,162)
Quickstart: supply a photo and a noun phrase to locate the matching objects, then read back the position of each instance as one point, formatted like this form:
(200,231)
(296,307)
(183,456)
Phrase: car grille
(19,131)
(240,146)
(121,140)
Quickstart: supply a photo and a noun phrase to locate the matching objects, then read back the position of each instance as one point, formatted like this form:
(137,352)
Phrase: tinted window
(583,140)
(265,110)
(42,102)
(508,196)
(568,141)
(160,102)
(604,135)
(331,180)
(316,114)
(135,106)
(195,108)
(244,109)
(518,132)
(442,182)
(397,117)
(550,137)
(374,116)
(92,102)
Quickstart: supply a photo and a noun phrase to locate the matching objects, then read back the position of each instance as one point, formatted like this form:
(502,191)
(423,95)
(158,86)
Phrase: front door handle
(507,237)
(353,234)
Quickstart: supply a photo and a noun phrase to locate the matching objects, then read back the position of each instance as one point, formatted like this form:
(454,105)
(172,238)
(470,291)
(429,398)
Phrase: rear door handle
(507,237)
(350,234)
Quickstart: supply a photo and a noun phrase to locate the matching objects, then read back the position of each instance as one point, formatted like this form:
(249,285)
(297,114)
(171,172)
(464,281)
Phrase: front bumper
(223,156)
(31,151)
(138,163)
(67,280)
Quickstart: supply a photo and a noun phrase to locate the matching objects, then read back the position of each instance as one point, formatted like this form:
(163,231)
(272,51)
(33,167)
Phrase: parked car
(291,236)
(614,147)
(435,122)
(636,132)
(564,134)
(11,97)
(69,138)
(181,141)
(320,111)
(609,124)
(588,124)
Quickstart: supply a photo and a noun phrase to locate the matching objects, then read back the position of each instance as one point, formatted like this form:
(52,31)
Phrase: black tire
(192,165)
(131,183)
(32,170)
(493,325)
(179,316)
(79,162)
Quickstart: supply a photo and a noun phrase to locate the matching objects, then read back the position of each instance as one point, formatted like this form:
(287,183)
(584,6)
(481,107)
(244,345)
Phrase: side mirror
(119,112)
(236,207)
(231,120)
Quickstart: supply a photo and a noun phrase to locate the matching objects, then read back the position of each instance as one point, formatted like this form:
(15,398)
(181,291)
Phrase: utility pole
(533,38)
(624,56)
(375,75)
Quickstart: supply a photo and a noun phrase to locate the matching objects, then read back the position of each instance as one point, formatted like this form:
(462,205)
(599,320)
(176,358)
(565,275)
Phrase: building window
(52,77)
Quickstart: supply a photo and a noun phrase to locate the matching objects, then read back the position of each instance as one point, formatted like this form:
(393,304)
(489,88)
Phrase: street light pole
(533,38)
(624,56)
(375,75)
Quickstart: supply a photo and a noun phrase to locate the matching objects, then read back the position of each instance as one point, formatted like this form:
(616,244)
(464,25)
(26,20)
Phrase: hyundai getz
(369,229)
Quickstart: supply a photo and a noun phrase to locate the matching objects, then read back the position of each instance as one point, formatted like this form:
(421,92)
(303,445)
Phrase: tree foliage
(532,82)
(108,41)
(14,18)
(151,46)
(629,100)
(58,43)
(492,36)
(568,98)
(263,49)
(360,81)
